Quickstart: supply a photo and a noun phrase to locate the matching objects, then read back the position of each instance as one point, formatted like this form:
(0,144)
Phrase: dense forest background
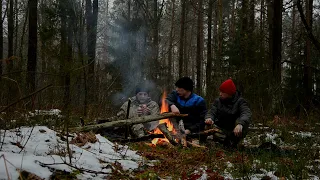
(95,52)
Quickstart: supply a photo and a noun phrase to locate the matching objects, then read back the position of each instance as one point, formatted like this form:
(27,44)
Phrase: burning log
(129,122)
(167,134)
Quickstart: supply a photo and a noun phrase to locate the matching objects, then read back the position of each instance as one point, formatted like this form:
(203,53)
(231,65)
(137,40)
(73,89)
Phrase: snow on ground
(304,134)
(43,146)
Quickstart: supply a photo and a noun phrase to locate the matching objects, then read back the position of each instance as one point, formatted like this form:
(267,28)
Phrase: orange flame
(164,108)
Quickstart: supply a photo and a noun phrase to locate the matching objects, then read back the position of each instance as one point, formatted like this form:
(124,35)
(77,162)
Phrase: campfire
(168,124)
(172,136)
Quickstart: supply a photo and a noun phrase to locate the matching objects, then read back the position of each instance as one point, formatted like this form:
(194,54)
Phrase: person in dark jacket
(184,101)
(230,113)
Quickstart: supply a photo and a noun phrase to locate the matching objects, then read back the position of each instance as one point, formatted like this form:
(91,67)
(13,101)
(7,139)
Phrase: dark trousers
(227,137)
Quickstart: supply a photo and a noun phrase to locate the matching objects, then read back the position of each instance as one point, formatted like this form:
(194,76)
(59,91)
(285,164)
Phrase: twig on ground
(5,165)
(75,167)
(27,139)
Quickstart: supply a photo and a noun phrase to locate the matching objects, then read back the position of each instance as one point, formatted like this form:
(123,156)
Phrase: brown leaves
(83,139)
(220,154)
(239,158)
(28,176)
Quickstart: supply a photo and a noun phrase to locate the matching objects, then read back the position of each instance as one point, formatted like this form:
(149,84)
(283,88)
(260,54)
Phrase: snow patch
(44,150)
(304,134)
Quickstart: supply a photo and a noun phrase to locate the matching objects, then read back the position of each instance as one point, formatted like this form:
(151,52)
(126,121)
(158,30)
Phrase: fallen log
(129,122)
(148,137)
(163,128)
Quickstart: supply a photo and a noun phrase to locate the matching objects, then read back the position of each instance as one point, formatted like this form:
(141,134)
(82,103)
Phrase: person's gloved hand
(174,109)
(238,130)
(209,121)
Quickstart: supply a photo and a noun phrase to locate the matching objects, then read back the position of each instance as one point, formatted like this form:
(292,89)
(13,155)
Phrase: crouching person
(183,100)
(141,105)
(231,114)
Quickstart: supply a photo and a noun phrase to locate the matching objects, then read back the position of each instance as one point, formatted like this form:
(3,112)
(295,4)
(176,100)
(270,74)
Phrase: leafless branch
(28,96)
(314,41)
(75,167)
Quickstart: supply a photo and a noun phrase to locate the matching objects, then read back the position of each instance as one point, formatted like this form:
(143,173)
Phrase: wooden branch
(148,137)
(125,122)
(163,128)
(184,141)
(206,132)
(314,41)
(196,145)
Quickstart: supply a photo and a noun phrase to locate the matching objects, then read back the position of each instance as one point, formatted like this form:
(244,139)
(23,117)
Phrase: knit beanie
(228,87)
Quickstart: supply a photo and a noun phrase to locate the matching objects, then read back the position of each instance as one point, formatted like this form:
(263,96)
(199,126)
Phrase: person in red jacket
(230,113)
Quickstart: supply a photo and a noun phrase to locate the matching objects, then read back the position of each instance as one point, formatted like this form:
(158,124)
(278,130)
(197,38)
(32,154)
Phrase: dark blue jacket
(194,106)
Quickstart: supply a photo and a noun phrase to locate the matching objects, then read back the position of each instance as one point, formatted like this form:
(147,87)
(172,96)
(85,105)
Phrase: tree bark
(275,37)
(209,52)
(244,33)
(32,46)
(262,32)
(92,18)
(182,34)
(155,43)
(199,56)
(307,76)
(170,54)
(129,122)
(1,40)
(313,39)
(10,34)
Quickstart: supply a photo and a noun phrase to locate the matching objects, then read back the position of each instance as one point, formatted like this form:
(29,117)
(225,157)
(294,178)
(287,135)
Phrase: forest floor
(288,150)
(282,149)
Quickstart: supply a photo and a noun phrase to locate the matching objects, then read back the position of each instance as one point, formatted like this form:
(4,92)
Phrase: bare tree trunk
(155,43)
(277,43)
(262,32)
(10,34)
(16,10)
(12,93)
(307,77)
(1,39)
(32,46)
(81,58)
(199,55)
(275,37)
(244,32)
(182,34)
(232,22)
(92,18)
(209,52)
(170,62)
(68,62)
(220,30)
